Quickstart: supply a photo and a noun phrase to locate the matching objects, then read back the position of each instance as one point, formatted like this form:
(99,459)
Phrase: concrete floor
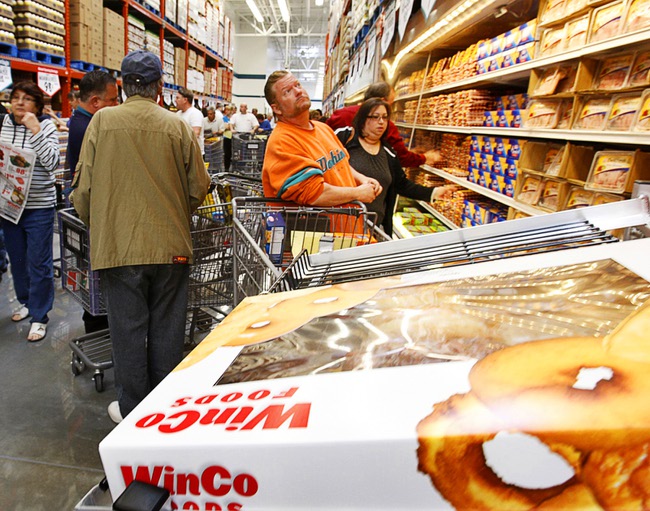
(51,422)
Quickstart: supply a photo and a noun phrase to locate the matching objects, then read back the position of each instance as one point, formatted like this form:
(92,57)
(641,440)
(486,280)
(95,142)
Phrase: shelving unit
(516,77)
(153,21)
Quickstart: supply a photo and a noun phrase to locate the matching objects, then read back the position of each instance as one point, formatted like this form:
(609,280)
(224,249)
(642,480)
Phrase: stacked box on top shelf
(39,28)
(170,10)
(113,39)
(181,14)
(197,27)
(86,31)
(168,62)
(180,57)
(213,25)
(7,27)
(135,34)
(154,4)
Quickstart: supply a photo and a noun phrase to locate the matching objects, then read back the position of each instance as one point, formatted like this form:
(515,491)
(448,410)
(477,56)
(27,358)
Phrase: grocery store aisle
(50,421)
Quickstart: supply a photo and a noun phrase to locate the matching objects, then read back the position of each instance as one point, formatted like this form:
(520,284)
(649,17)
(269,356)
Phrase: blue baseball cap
(141,67)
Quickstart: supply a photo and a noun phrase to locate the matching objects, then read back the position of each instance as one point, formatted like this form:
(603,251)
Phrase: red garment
(342,118)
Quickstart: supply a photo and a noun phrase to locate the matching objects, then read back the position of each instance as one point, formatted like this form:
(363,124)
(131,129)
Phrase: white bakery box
(368,395)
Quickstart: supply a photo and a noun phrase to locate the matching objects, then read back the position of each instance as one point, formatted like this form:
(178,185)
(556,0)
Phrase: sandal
(20,314)
(37,332)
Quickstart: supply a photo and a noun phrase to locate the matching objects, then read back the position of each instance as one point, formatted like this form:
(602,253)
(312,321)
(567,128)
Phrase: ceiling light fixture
(284,10)
(255,10)
(319,3)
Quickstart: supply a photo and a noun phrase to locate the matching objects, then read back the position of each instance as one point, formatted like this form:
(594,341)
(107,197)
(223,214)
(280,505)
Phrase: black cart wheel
(76,365)
(99,382)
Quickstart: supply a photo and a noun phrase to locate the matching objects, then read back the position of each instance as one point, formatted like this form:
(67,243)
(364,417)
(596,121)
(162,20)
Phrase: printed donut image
(601,428)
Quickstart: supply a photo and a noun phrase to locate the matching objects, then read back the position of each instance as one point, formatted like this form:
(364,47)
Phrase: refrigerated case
(348,396)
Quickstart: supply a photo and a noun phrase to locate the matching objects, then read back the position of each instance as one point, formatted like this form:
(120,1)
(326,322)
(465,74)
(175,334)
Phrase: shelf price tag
(5,74)
(405,8)
(48,82)
(389,29)
(427,7)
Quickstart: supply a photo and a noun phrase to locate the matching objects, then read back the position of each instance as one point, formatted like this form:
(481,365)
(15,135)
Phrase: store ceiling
(307,29)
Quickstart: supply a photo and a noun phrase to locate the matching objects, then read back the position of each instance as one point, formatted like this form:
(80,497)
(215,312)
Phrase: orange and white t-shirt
(298,162)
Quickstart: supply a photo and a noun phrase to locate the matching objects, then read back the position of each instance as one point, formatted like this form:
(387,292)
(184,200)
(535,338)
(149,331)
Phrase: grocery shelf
(606,137)
(486,192)
(521,71)
(430,209)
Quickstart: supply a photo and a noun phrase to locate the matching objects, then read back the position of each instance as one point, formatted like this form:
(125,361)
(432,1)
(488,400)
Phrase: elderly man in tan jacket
(140,177)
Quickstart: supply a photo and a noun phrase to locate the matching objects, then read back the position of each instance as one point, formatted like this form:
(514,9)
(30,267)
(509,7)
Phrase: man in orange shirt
(304,162)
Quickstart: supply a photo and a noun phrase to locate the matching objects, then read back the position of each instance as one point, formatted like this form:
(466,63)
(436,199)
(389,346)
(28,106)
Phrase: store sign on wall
(405,10)
(48,81)
(427,7)
(5,74)
(389,29)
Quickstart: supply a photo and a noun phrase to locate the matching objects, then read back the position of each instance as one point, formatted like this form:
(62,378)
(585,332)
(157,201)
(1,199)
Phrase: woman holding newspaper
(30,154)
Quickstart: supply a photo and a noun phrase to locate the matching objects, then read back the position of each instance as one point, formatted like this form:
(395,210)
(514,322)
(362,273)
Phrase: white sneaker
(114,412)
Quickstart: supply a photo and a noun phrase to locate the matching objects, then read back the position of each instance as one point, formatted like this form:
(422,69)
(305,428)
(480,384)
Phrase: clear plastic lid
(552,41)
(642,121)
(606,22)
(638,16)
(543,113)
(593,114)
(623,112)
(550,195)
(530,190)
(640,71)
(610,171)
(578,197)
(576,32)
(613,72)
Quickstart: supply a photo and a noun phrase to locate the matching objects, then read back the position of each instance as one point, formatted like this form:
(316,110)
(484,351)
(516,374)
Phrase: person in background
(264,127)
(29,242)
(227,138)
(342,118)
(139,178)
(304,161)
(315,115)
(370,155)
(254,112)
(213,125)
(97,90)
(190,114)
(60,125)
(271,118)
(243,122)
(73,99)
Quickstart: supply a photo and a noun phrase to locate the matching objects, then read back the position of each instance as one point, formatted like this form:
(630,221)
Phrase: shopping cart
(269,234)
(248,153)
(214,154)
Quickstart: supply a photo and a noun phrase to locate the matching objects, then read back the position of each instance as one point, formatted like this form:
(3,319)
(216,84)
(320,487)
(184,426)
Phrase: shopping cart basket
(214,154)
(248,153)
(270,233)
(93,351)
(238,185)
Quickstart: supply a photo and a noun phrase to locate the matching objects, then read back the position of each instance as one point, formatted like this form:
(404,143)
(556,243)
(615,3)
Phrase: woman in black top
(370,155)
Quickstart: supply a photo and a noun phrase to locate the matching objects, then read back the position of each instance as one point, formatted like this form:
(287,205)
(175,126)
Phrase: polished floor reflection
(51,422)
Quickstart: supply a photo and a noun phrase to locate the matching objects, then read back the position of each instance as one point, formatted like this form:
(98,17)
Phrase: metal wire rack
(558,231)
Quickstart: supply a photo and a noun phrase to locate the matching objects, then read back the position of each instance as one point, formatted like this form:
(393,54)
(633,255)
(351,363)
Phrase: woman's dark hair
(30,89)
(368,106)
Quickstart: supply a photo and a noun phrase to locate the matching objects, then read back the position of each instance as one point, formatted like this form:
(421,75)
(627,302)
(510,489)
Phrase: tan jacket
(139,178)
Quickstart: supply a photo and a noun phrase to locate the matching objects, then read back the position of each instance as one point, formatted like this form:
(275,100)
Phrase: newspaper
(16,168)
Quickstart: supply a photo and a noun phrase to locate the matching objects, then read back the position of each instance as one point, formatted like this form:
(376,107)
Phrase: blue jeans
(147,307)
(29,245)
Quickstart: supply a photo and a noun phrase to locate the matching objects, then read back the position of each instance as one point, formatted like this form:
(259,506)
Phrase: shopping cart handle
(140,496)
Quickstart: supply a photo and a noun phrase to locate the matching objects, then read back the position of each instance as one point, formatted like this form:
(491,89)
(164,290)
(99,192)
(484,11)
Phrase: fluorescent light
(319,3)
(284,10)
(254,9)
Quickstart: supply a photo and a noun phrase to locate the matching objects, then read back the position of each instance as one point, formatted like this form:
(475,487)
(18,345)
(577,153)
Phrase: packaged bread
(568,74)
(548,82)
(553,160)
(565,116)
(613,72)
(642,121)
(552,41)
(638,15)
(576,32)
(530,190)
(606,21)
(543,113)
(623,112)
(609,171)
(549,196)
(552,10)
(640,71)
(593,114)
(578,197)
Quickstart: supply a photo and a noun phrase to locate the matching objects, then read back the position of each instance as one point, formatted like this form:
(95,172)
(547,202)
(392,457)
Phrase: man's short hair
(275,76)
(377,90)
(94,83)
(72,95)
(187,94)
(211,109)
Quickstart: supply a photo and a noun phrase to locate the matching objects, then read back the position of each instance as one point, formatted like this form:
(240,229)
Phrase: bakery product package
(613,72)
(543,113)
(606,21)
(610,171)
(592,114)
(637,16)
(640,71)
(624,110)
